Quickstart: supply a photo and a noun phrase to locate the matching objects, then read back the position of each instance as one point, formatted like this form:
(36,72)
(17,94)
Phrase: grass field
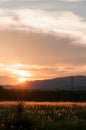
(42,116)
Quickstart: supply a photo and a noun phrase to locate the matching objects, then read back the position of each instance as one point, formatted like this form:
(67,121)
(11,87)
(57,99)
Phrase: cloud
(4,0)
(71,0)
(62,23)
(39,48)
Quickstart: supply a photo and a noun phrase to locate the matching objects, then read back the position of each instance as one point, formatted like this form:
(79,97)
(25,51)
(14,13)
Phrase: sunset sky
(41,39)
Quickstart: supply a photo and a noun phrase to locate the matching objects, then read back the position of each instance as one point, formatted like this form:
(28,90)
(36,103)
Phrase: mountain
(62,83)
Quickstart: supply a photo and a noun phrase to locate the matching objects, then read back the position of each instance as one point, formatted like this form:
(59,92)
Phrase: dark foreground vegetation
(39,95)
(42,117)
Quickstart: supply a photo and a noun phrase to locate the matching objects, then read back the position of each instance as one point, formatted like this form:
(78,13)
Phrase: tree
(1,87)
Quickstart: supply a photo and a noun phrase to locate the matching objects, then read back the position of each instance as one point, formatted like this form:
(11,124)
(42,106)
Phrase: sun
(21,80)
(22,75)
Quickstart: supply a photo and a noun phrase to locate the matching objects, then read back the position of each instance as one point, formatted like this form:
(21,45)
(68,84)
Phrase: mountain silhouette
(62,83)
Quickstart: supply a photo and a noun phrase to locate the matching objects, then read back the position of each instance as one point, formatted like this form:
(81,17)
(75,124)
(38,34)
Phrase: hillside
(63,83)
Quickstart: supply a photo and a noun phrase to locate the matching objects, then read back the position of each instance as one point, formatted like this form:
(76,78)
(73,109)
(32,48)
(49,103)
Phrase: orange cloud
(64,23)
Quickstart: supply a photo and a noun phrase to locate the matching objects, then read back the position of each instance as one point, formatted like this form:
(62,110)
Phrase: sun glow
(21,80)
(18,72)
(23,75)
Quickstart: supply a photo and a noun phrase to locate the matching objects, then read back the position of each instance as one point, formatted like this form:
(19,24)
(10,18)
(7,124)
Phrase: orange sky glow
(41,39)
(19,73)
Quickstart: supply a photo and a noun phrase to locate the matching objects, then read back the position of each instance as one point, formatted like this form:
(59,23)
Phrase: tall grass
(42,117)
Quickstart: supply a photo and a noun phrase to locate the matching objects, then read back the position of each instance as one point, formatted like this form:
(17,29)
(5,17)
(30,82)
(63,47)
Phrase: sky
(41,39)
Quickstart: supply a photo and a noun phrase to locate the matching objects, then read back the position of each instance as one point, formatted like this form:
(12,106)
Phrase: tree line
(41,95)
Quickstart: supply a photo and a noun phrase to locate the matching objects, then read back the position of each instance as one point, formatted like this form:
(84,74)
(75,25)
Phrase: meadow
(42,116)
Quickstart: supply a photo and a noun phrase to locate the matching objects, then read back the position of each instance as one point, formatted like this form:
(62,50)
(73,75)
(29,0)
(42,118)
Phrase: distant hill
(63,83)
